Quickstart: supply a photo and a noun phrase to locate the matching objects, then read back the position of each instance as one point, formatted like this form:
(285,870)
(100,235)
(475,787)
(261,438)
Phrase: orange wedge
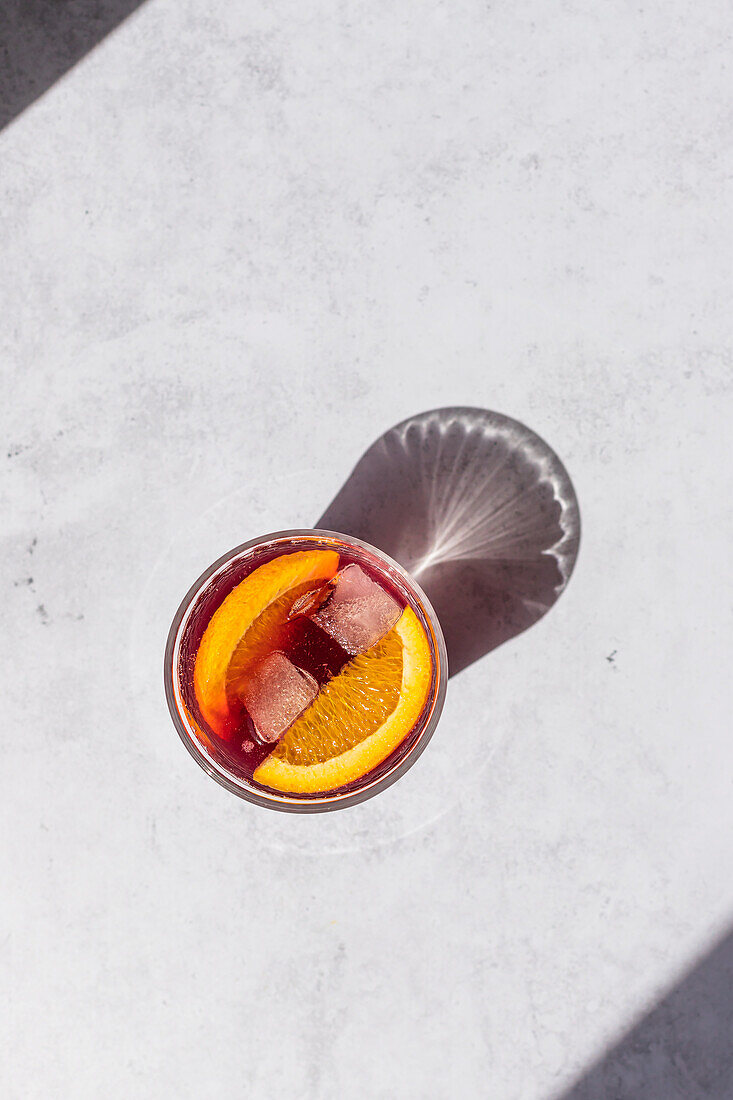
(252,598)
(358,719)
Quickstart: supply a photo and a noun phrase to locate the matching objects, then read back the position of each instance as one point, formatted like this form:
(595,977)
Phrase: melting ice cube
(275,694)
(359,611)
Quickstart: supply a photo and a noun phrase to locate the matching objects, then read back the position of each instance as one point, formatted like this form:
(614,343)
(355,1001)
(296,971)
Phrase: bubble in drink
(358,611)
(275,694)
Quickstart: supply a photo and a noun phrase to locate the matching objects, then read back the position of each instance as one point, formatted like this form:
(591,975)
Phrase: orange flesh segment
(350,708)
(281,771)
(244,604)
(262,637)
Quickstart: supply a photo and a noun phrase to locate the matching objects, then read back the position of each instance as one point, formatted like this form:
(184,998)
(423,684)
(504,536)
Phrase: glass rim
(291,803)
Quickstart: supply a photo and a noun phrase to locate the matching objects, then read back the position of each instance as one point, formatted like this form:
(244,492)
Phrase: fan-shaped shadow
(481,512)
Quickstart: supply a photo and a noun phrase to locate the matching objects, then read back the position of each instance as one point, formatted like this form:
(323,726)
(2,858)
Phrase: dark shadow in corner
(681,1050)
(40,40)
(479,509)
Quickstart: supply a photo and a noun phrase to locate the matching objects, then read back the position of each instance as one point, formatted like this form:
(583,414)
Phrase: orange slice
(358,719)
(237,614)
(263,636)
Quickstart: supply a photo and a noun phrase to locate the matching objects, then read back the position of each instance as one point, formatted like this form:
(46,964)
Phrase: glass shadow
(41,40)
(479,510)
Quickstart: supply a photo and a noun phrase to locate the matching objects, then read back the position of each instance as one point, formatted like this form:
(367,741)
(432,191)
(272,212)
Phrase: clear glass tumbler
(192,617)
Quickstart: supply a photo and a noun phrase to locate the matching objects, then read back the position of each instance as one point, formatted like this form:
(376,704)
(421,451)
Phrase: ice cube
(359,611)
(276,693)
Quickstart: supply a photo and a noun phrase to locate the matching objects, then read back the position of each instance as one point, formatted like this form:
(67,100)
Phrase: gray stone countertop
(239,242)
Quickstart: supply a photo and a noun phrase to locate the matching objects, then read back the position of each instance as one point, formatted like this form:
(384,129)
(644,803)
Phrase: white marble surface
(238,243)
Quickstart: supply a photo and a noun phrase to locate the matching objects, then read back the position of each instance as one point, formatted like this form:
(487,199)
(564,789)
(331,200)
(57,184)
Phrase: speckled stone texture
(239,243)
